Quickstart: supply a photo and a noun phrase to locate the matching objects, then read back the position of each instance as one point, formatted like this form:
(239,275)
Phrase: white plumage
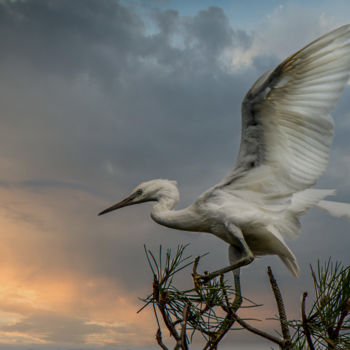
(287,132)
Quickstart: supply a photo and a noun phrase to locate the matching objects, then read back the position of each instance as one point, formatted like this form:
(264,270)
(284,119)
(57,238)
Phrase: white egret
(286,136)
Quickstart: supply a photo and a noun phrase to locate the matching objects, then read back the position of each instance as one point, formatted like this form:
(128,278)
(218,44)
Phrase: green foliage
(210,308)
(327,324)
(206,305)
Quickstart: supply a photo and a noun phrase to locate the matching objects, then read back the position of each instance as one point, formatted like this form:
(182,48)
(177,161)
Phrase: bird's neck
(163,214)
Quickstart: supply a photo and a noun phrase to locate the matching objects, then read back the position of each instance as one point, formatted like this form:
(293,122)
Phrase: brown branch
(195,265)
(225,327)
(281,342)
(344,313)
(155,291)
(161,301)
(183,326)
(195,275)
(230,309)
(330,344)
(168,322)
(160,340)
(304,323)
(280,307)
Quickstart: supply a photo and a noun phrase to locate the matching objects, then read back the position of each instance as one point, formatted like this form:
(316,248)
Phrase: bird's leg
(238,289)
(246,258)
(235,254)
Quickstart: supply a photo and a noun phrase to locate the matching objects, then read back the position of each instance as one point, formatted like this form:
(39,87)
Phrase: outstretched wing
(286,124)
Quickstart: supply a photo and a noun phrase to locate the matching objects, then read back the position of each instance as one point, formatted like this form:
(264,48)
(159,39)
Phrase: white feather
(287,132)
(286,121)
(337,209)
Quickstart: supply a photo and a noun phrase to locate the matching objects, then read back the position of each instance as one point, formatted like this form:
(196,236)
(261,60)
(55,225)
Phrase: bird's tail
(302,201)
(337,209)
(291,263)
(281,249)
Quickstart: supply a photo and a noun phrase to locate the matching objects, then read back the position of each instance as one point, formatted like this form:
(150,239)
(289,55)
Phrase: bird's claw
(199,280)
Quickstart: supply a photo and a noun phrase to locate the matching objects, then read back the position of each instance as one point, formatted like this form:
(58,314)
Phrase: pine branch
(280,307)
(305,323)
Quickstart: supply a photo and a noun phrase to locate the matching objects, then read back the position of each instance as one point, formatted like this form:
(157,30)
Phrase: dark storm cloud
(68,37)
(91,101)
(106,38)
(212,32)
(127,85)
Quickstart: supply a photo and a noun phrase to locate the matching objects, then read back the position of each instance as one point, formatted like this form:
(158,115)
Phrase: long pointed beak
(125,202)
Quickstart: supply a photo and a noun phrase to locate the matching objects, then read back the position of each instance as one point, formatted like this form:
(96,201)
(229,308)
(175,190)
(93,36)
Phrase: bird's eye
(139,192)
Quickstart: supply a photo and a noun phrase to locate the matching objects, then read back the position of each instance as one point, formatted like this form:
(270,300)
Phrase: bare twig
(168,322)
(195,275)
(195,264)
(160,340)
(263,334)
(183,326)
(344,313)
(304,323)
(161,301)
(230,309)
(280,306)
(155,290)
(225,327)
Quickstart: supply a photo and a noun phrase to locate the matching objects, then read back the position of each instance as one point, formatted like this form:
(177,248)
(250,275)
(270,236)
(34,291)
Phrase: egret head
(148,191)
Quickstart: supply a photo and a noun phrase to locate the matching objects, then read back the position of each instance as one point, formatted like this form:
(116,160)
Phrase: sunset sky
(98,96)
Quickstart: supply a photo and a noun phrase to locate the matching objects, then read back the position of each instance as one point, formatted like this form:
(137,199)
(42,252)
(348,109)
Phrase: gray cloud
(90,100)
(55,327)
(88,79)
(68,37)
(64,329)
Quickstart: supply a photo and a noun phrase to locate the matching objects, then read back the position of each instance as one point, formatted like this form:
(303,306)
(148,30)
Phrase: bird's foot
(199,280)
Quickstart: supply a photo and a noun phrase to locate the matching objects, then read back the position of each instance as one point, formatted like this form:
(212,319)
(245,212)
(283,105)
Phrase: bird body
(286,136)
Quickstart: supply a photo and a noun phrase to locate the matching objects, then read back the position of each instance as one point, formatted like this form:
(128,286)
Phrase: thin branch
(343,314)
(230,310)
(304,323)
(195,265)
(195,275)
(225,327)
(183,326)
(280,306)
(263,334)
(169,324)
(160,340)
(211,307)
(162,308)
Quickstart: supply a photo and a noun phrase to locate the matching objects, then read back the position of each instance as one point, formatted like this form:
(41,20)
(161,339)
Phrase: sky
(98,96)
